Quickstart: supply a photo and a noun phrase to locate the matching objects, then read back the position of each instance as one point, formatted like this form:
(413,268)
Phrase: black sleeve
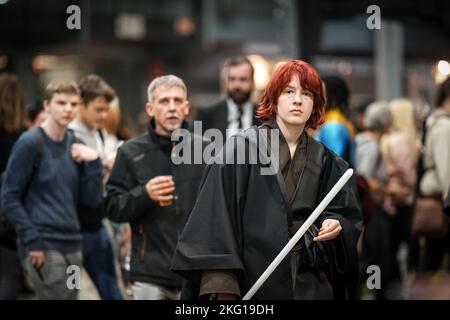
(211,237)
(344,268)
(125,200)
(344,207)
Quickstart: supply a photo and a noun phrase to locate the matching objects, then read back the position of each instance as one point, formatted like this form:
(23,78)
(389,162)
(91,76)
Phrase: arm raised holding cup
(160,189)
(141,191)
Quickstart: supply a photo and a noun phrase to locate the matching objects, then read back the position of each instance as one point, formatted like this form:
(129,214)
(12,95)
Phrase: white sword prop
(305,226)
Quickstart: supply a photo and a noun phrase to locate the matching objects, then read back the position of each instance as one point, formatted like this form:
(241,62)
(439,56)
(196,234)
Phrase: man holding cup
(155,195)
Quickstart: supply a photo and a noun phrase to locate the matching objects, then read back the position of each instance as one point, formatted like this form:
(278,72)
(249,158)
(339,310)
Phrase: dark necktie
(239,112)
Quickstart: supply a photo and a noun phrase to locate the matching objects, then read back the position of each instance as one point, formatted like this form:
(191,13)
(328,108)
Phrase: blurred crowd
(400,155)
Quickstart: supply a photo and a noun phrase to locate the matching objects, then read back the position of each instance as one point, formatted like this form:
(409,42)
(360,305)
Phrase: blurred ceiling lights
(444,67)
(261,67)
(441,71)
(51,62)
(184,26)
(130,26)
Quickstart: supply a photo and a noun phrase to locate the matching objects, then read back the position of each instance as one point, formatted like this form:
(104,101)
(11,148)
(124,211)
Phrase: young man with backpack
(47,176)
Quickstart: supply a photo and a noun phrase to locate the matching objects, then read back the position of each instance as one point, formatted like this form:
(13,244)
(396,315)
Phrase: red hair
(309,80)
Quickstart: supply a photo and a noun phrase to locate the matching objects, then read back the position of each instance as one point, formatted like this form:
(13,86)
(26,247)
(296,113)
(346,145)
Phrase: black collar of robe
(290,168)
(239,223)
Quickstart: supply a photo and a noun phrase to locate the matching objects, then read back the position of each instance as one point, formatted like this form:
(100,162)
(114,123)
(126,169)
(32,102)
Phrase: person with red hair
(244,216)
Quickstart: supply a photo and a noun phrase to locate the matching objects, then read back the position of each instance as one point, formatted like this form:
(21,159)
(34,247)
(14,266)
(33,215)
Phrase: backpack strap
(75,139)
(37,133)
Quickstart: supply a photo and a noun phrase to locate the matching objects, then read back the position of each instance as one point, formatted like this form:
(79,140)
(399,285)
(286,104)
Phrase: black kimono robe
(240,221)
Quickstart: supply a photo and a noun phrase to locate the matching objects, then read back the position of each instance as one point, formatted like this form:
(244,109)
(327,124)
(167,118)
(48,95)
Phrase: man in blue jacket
(47,175)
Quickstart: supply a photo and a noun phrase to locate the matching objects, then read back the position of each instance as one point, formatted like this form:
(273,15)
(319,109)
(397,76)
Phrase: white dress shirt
(233,117)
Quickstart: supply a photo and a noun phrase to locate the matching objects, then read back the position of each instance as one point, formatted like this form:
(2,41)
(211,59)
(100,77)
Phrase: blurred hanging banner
(130,26)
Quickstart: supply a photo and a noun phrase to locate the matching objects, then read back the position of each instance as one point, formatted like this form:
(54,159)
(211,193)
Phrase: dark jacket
(155,229)
(240,222)
(216,117)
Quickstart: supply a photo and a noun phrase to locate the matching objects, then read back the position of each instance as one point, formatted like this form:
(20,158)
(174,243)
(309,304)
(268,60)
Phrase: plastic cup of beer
(165,203)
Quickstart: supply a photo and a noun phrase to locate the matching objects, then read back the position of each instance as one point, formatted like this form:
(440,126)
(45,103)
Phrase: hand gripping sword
(283,253)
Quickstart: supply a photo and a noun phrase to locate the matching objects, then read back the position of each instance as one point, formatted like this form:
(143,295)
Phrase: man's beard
(239,97)
(170,128)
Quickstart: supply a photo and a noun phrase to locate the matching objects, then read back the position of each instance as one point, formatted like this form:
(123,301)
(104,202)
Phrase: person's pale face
(239,83)
(169,109)
(95,113)
(63,108)
(295,105)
